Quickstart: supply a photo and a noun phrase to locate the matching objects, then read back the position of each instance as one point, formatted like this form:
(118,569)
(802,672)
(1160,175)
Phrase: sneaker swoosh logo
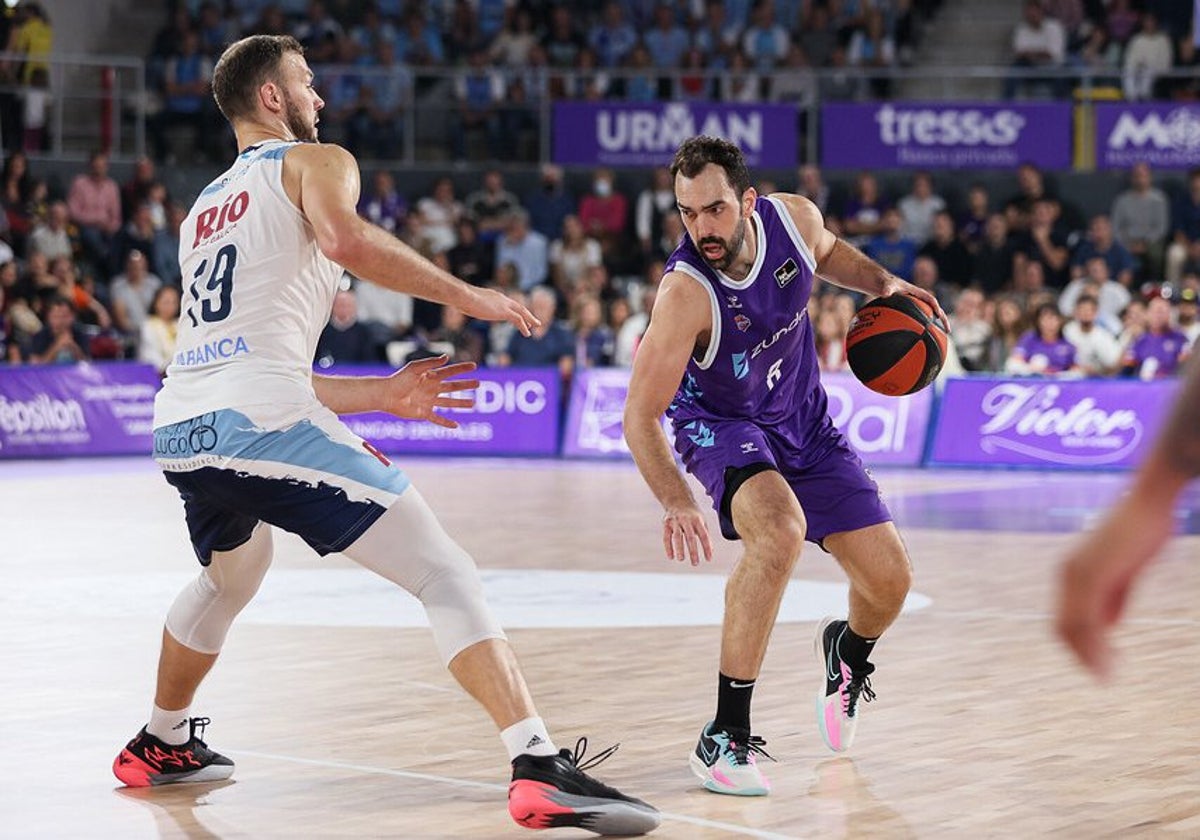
(709,756)
(834,672)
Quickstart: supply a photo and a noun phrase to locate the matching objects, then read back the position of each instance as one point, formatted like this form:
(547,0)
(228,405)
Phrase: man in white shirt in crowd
(1038,41)
(1097,350)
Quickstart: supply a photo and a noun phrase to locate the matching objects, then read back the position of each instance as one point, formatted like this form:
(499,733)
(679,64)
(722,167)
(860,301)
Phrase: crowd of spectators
(1033,284)
(91,274)
(373,59)
(1127,45)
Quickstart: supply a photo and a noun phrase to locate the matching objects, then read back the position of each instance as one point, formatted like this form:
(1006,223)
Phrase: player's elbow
(340,244)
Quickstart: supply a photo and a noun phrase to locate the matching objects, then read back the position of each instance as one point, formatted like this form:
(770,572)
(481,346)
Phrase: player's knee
(789,535)
(779,546)
(409,547)
(234,577)
(893,585)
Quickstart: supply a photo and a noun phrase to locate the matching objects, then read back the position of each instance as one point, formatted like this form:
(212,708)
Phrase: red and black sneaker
(147,761)
(552,791)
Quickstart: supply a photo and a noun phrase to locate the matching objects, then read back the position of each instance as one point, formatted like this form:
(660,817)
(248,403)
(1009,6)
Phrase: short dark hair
(698,152)
(244,67)
(1092,299)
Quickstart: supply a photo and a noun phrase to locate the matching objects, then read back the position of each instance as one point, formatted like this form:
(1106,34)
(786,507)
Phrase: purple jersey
(1157,355)
(1058,355)
(760,363)
(754,400)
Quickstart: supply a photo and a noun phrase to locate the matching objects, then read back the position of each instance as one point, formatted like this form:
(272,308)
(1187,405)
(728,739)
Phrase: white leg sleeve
(205,609)
(409,547)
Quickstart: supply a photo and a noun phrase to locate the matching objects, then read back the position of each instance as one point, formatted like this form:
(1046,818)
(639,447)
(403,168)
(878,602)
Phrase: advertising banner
(648,133)
(594,417)
(1049,423)
(515,413)
(883,430)
(945,135)
(1161,134)
(57,410)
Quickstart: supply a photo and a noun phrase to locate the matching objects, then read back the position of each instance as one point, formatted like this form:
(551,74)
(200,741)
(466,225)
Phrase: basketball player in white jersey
(249,437)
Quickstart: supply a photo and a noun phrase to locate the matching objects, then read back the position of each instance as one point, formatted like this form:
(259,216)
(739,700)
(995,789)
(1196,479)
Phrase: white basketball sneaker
(841,688)
(725,762)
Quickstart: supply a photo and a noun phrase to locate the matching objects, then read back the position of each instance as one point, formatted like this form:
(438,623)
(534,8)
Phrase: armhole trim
(789,224)
(714,341)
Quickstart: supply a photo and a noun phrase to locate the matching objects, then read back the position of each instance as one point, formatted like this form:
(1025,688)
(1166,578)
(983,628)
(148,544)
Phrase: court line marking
(745,831)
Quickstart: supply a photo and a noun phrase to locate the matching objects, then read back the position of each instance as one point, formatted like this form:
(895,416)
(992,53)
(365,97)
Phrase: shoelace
(200,723)
(858,685)
(754,744)
(581,749)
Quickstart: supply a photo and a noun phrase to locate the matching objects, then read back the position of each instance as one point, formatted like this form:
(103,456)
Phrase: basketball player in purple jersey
(729,355)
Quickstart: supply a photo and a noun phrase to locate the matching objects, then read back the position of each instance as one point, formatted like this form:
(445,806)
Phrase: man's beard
(296,123)
(732,247)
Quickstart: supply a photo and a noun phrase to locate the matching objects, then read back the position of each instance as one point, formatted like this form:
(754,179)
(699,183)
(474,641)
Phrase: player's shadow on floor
(177,808)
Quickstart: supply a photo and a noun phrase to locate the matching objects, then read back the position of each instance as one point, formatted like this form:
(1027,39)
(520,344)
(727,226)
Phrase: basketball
(896,345)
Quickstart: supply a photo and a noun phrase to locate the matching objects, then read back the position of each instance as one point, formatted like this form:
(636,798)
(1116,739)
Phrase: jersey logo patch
(732,302)
(741,322)
(786,273)
(213,220)
(741,365)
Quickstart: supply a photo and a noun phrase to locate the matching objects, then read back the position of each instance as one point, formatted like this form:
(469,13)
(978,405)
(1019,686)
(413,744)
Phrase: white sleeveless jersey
(257,291)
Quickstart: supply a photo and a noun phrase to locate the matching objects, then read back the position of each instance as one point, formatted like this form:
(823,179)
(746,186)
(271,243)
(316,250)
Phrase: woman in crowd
(594,341)
(157,344)
(1008,324)
(1043,350)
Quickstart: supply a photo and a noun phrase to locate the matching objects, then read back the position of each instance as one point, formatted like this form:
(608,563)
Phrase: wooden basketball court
(343,723)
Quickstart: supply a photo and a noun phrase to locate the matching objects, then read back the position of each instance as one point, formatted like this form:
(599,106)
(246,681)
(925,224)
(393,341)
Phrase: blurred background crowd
(1035,282)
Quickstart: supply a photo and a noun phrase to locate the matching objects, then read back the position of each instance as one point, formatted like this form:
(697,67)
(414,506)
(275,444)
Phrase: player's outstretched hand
(685,536)
(491,305)
(1099,573)
(420,387)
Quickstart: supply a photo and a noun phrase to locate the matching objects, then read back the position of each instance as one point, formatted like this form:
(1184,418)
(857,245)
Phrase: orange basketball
(896,345)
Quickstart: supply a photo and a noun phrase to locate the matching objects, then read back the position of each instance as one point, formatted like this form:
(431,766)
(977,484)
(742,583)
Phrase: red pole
(106,109)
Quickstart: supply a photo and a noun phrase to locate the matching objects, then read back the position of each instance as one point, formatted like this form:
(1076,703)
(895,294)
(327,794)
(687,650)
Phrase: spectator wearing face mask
(604,213)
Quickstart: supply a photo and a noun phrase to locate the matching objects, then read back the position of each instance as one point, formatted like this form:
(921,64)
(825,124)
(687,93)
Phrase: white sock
(172,728)
(527,737)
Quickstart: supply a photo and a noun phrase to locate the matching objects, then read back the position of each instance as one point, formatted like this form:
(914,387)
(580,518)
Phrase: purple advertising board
(1162,134)
(1100,424)
(648,133)
(945,135)
(594,417)
(883,430)
(515,413)
(86,409)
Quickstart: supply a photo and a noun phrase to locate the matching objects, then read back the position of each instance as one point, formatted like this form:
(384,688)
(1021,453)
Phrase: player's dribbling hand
(898,286)
(492,305)
(424,385)
(685,535)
